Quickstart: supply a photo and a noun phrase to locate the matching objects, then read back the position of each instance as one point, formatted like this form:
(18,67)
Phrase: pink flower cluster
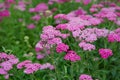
(76,20)
(96,7)
(4,13)
(29,66)
(21,5)
(105,53)
(37,17)
(6,63)
(47,66)
(76,23)
(50,37)
(60,17)
(88,36)
(108,13)
(85,2)
(112,12)
(39,8)
(87,46)
(40,56)
(72,56)
(62,48)
(85,77)
(31,26)
(114,36)
(76,13)
(4,6)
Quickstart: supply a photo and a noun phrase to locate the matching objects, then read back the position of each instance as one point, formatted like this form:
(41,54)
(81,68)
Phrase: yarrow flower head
(6,63)
(41,7)
(50,36)
(47,66)
(85,2)
(72,56)
(114,36)
(62,48)
(5,13)
(31,26)
(20,6)
(87,46)
(105,53)
(85,77)
(29,66)
(40,56)
(36,17)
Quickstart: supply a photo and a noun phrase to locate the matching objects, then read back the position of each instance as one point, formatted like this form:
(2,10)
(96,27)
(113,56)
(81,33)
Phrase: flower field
(59,39)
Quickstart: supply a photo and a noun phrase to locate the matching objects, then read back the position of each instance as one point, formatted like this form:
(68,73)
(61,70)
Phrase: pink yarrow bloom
(41,7)
(114,36)
(29,66)
(40,56)
(105,53)
(36,17)
(85,2)
(62,48)
(72,56)
(5,13)
(85,77)
(6,63)
(21,6)
(87,46)
(31,26)
(47,66)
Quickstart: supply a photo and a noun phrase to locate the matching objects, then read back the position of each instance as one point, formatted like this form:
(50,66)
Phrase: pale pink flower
(31,26)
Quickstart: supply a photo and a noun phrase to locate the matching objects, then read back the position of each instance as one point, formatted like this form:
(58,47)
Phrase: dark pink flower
(72,56)
(62,48)
(5,13)
(105,53)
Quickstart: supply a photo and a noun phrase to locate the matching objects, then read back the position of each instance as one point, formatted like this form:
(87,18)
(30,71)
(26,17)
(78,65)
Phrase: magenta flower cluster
(72,56)
(6,63)
(114,36)
(21,5)
(62,48)
(111,13)
(49,38)
(33,67)
(85,77)
(4,6)
(105,53)
(29,66)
